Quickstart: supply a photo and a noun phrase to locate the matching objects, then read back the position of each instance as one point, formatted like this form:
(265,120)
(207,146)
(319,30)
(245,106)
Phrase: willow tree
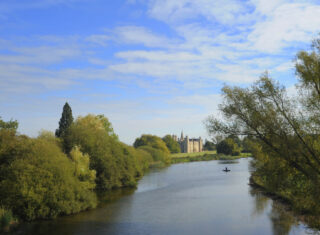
(285,129)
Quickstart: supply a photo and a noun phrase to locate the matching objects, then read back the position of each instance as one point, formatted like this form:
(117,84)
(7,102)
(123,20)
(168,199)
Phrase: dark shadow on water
(81,223)
(228,161)
(114,194)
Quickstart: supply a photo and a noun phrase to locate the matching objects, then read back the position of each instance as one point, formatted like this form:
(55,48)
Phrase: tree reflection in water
(281,219)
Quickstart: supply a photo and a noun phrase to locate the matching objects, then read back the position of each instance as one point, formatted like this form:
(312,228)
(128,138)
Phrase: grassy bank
(204,156)
(183,155)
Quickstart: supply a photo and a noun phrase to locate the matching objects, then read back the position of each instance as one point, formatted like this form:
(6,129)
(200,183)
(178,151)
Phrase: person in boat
(226,170)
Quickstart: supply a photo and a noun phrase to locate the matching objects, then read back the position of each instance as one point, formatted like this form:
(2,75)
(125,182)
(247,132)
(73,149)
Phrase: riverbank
(313,221)
(205,156)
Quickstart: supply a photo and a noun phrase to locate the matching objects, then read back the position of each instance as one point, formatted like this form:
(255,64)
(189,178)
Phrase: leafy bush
(157,155)
(228,147)
(6,218)
(209,146)
(152,141)
(116,164)
(37,180)
(172,145)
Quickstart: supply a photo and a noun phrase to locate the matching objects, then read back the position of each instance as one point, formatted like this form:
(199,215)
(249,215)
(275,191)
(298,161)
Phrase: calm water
(189,198)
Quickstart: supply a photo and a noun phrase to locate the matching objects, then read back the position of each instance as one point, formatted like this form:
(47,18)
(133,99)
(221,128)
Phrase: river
(188,198)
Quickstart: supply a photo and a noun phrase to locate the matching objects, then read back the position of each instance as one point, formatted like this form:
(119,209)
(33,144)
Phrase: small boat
(226,170)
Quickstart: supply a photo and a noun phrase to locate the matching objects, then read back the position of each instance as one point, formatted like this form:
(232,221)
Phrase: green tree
(64,124)
(209,146)
(43,178)
(285,130)
(228,147)
(116,164)
(152,141)
(11,125)
(157,154)
(172,145)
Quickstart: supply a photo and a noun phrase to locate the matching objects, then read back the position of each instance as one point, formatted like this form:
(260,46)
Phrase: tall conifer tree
(65,121)
(63,131)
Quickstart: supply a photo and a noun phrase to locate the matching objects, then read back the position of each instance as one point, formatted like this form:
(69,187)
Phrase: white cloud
(39,55)
(99,39)
(141,35)
(286,66)
(266,7)
(287,24)
(223,11)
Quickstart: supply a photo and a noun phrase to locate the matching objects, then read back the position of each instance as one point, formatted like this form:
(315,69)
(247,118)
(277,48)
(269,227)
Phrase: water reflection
(282,220)
(228,161)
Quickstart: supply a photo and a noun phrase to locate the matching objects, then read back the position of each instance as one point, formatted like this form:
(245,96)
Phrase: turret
(181,135)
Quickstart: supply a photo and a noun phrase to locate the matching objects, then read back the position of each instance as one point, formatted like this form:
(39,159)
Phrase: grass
(204,156)
(178,155)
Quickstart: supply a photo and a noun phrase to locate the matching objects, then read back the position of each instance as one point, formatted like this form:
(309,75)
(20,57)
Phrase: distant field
(177,155)
(204,156)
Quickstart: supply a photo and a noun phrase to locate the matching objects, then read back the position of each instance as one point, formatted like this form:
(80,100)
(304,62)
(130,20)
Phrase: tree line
(60,173)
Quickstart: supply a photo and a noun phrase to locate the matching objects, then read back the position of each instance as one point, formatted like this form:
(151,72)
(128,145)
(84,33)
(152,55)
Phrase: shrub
(228,147)
(172,145)
(43,179)
(6,218)
(157,155)
(115,163)
(152,141)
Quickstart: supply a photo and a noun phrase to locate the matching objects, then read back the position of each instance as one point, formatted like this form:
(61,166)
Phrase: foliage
(64,125)
(116,164)
(209,146)
(246,145)
(152,141)
(285,131)
(107,125)
(81,168)
(42,177)
(11,125)
(228,147)
(157,154)
(172,145)
(6,218)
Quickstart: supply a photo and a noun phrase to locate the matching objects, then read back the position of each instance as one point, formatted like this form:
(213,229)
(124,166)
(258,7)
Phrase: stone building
(189,145)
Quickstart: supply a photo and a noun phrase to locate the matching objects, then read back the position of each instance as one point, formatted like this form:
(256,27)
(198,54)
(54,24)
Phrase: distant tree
(209,145)
(11,125)
(246,143)
(217,139)
(236,139)
(65,120)
(172,145)
(107,125)
(228,147)
(152,141)
(64,125)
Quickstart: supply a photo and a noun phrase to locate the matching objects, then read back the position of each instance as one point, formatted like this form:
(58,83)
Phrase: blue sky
(150,66)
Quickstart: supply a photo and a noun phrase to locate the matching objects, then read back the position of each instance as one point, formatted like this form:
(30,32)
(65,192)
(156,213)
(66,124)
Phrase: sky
(150,66)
